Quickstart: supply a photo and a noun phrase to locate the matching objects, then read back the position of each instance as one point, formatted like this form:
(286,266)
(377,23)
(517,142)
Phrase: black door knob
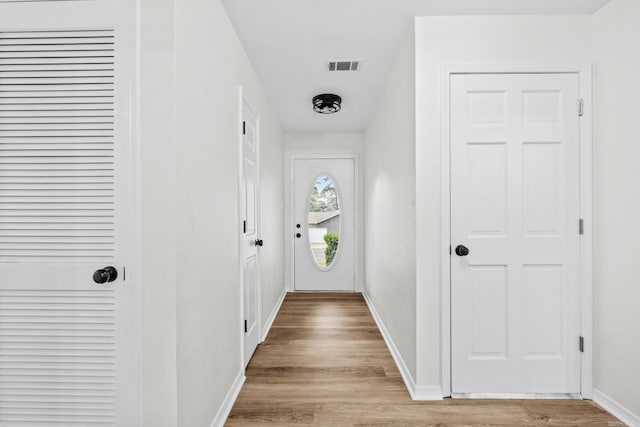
(462,250)
(258,242)
(297,225)
(298,235)
(104,275)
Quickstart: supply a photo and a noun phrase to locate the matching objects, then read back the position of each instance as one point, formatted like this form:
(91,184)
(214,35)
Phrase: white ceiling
(289,42)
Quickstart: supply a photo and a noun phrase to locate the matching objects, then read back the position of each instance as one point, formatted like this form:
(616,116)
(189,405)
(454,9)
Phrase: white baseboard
(416,392)
(229,400)
(616,409)
(422,392)
(267,326)
(232,395)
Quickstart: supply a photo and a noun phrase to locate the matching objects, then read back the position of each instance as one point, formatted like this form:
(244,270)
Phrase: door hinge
(581,226)
(124,274)
(581,107)
(449,249)
(244,226)
(245,326)
(244,128)
(581,345)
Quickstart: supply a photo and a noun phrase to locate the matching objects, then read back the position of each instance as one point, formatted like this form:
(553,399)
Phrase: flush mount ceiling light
(327,103)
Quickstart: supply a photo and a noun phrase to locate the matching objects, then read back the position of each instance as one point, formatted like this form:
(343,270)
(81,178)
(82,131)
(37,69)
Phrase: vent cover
(344,65)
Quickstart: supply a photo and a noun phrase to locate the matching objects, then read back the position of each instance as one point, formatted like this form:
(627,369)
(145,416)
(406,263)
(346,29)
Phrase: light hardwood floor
(325,363)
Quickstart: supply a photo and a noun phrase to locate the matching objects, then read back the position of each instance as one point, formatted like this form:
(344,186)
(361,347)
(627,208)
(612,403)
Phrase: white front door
(324,224)
(251,225)
(515,208)
(67,323)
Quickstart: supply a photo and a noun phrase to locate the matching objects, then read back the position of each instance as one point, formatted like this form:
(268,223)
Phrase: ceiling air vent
(344,65)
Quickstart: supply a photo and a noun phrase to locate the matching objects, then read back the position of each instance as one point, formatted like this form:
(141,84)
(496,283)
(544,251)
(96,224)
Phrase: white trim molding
(234,391)
(423,392)
(229,400)
(616,409)
(584,73)
(519,396)
(269,322)
(415,391)
(240,207)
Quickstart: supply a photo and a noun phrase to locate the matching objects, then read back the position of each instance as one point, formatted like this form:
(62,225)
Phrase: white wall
(537,40)
(210,66)
(191,67)
(617,202)
(320,144)
(390,216)
(157,202)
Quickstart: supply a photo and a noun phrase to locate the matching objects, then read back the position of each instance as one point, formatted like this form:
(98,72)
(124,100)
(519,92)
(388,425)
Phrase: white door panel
(251,276)
(515,205)
(67,344)
(316,266)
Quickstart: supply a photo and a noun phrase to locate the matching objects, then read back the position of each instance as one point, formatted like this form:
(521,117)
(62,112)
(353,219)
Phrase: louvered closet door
(64,356)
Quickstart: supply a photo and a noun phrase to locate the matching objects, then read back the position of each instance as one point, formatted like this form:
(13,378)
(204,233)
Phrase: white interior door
(251,242)
(515,207)
(67,343)
(324,224)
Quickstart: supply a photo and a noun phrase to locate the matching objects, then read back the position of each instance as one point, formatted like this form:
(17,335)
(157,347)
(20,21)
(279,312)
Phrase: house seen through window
(324,221)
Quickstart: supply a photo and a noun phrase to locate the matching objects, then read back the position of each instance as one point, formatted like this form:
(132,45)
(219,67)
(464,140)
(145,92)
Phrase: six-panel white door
(251,225)
(316,266)
(515,207)
(67,344)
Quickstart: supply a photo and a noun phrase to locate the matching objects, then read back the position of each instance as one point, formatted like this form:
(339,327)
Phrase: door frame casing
(356,226)
(242,100)
(127,17)
(585,273)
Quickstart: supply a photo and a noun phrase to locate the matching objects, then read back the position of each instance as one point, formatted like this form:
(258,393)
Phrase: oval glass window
(324,221)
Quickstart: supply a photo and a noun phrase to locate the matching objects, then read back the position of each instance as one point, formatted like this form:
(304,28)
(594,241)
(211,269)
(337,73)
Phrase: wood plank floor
(325,363)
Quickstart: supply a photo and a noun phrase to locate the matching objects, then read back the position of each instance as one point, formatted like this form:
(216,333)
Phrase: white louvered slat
(57,208)
(29,36)
(54,114)
(58,95)
(18,1)
(48,120)
(53,38)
